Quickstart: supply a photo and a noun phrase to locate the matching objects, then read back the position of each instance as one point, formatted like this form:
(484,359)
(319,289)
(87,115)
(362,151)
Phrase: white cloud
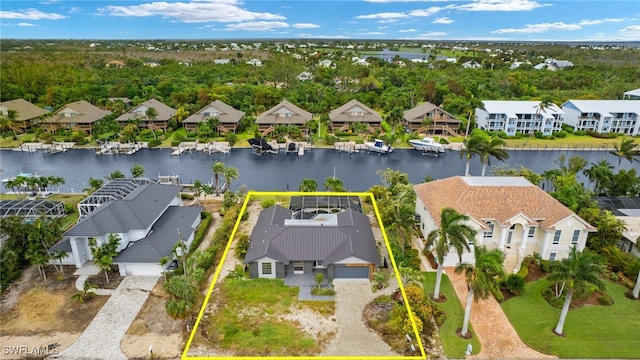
(384,15)
(26,24)
(397,1)
(442,20)
(192,12)
(425,12)
(633,30)
(431,34)
(407,30)
(382,27)
(74,9)
(538,28)
(598,22)
(50,2)
(402,15)
(30,14)
(258,25)
(305,26)
(500,5)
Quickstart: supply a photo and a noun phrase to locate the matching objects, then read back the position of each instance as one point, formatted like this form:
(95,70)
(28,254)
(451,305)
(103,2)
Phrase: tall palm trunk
(484,168)
(436,292)
(636,289)
(467,313)
(565,309)
(466,169)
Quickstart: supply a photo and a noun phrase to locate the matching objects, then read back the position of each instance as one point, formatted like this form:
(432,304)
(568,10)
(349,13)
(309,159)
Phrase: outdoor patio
(305,283)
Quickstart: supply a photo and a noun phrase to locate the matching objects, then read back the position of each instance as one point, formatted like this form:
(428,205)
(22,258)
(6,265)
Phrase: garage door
(351,272)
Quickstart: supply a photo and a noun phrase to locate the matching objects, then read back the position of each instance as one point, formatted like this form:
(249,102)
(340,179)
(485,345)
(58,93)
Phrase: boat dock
(216,146)
(184,146)
(348,147)
(54,147)
(114,147)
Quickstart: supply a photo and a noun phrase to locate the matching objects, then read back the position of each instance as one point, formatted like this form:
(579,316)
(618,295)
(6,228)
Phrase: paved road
(101,339)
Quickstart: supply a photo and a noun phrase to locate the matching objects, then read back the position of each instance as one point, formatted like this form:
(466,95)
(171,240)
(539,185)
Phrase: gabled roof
(297,115)
(84,113)
(497,198)
(418,113)
(25,109)
(164,112)
(227,114)
(605,106)
(342,114)
(138,210)
(519,107)
(277,237)
(635,92)
(164,235)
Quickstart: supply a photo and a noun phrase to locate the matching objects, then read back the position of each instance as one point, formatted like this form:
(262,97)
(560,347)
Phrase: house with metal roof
(27,114)
(354,112)
(513,116)
(508,213)
(149,220)
(139,115)
(76,116)
(440,122)
(340,245)
(228,117)
(603,116)
(285,113)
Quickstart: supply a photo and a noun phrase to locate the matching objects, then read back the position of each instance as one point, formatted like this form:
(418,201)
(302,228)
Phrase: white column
(503,234)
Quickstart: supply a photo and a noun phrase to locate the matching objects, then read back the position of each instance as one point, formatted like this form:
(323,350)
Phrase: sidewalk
(101,339)
(494,330)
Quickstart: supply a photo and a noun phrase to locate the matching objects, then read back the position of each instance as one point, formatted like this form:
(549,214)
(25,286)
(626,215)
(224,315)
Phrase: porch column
(547,234)
(75,252)
(525,233)
(503,235)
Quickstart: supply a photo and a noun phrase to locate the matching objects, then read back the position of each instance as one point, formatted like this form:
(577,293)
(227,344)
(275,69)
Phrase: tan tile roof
(85,113)
(341,114)
(164,112)
(493,198)
(418,113)
(25,109)
(298,116)
(228,114)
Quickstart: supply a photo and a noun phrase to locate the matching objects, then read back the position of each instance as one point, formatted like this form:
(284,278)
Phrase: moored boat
(378,146)
(427,144)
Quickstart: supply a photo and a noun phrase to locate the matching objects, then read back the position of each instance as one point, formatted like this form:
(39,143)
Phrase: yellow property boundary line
(226,251)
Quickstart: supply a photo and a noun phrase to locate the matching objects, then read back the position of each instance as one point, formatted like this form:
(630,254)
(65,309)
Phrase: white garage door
(143,269)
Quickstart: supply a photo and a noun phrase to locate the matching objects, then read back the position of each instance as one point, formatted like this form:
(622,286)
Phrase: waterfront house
(285,113)
(354,112)
(441,122)
(603,116)
(75,116)
(340,245)
(513,116)
(228,117)
(627,210)
(508,213)
(148,218)
(138,115)
(27,114)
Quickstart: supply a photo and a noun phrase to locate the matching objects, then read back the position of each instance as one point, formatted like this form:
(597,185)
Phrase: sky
(481,20)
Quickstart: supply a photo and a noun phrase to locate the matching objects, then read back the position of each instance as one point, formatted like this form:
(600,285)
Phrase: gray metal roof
(138,210)
(351,237)
(163,237)
(64,245)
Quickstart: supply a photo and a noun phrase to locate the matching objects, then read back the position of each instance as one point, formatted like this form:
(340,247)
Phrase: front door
(298,267)
(510,236)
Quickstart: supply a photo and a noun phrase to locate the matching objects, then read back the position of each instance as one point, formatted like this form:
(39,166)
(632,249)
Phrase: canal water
(271,172)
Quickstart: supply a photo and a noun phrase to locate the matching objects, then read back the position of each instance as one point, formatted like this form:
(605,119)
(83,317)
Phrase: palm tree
(163,261)
(425,123)
(10,122)
(181,114)
(334,185)
(308,185)
(137,171)
(493,147)
(217,168)
(600,174)
(229,174)
(627,149)
(197,189)
(213,123)
(542,106)
(482,277)
(576,272)
(453,232)
(394,117)
(471,147)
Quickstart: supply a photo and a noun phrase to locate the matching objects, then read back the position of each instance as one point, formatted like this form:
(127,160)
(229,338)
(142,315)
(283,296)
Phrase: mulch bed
(101,282)
(535,273)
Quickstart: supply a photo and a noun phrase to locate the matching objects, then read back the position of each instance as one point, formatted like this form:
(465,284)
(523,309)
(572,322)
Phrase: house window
(556,237)
(489,233)
(576,236)
(266,268)
(319,263)
(552,256)
(532,231)
(298,267)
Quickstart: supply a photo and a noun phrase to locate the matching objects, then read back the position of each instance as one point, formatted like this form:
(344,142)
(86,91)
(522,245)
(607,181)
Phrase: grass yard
(249,319)
(591,331)
(454,346)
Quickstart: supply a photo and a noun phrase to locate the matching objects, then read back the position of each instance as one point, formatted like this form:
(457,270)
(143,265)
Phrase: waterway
(271,172)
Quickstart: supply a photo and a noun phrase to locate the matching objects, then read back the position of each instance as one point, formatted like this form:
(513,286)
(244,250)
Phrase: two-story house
(144,119)
(513,116)
(27,114)
(228,117)
(354,112)
(285,113)
(431,119)
(508,213)
(75,116)
(603,116)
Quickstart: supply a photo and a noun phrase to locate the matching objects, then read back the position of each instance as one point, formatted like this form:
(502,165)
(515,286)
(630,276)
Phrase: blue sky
(483,20)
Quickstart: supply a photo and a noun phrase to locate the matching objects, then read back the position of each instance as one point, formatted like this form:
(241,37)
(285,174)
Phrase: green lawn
(454,346)
(591,331)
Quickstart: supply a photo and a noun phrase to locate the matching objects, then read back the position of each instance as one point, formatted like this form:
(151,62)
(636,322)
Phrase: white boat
(378,146)
(427,144)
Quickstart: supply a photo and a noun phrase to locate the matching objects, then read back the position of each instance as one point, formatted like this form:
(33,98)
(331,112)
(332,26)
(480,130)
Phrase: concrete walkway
(494,330)
(101,339)
(83,274)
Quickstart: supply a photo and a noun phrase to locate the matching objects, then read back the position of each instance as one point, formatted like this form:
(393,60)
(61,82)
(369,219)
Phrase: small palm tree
(453,232)
(600,174)
(229,174)
(217,168)
(472,146)
(482,278)
(576,272)
(541,107)
(308,185)
(627,150)
(334,185)
(11,122)
(493,147)
(163,261)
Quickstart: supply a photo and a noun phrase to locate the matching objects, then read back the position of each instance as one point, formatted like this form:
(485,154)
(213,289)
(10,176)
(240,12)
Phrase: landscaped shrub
(156,142)
(444,141)
(202,230)
(231,138)
(595,134)
(579,133)
(502,134)
(242,245)
(186,196)
(266,203)
(561,134)
(515,284)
